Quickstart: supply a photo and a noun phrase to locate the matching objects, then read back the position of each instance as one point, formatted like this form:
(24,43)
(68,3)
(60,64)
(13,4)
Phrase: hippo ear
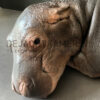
(59,13)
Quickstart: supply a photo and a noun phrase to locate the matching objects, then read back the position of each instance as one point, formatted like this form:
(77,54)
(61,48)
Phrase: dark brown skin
(52,35)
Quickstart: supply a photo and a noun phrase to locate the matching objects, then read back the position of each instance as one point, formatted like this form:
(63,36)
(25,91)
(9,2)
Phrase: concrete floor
(72,86)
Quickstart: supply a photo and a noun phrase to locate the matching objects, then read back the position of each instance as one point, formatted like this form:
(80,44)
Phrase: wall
(18,4)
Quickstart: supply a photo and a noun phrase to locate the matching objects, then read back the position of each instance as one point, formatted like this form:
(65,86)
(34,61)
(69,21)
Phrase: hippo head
(43,40)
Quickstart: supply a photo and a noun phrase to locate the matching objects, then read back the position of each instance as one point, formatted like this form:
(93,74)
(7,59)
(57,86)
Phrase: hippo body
(54,34)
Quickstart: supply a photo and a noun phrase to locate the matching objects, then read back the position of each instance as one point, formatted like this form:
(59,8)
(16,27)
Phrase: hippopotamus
(50,36)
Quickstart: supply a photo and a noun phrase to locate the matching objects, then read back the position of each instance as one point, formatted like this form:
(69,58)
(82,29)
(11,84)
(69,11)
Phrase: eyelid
(29,43)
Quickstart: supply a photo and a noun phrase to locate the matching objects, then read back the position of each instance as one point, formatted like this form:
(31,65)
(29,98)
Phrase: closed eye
(59,20)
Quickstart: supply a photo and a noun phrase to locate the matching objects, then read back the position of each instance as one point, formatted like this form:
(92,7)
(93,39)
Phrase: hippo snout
(30,87)
(24,87)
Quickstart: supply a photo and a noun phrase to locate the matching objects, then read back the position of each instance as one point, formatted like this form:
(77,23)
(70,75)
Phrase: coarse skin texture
(50,35)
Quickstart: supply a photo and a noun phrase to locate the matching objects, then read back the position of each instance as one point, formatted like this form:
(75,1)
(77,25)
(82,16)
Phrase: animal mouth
(43,68)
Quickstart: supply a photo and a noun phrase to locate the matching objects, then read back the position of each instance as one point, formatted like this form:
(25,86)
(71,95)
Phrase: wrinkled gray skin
(41,59)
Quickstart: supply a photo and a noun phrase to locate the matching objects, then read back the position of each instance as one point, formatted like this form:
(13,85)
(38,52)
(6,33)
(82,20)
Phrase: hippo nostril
(13,88)
(22,86)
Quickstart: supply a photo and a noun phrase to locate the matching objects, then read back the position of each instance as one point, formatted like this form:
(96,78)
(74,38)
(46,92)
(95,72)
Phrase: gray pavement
(72,86)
